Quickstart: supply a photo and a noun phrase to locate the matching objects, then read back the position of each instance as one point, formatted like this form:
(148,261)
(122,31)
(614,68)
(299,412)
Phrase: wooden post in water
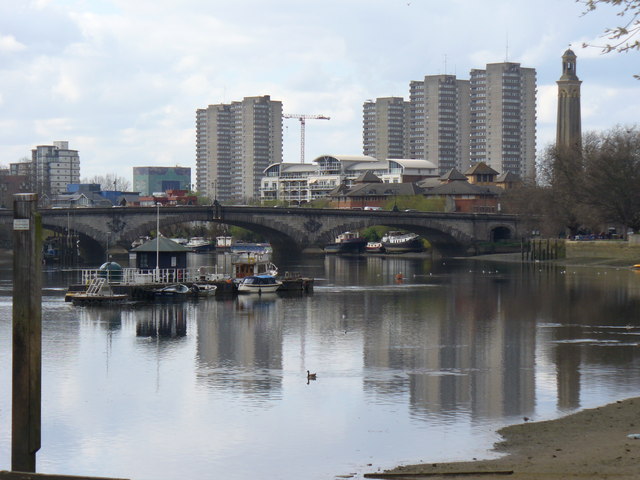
(27,332)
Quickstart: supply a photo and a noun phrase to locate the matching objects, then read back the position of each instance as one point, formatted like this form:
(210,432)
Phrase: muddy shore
(591,444)
(569,262)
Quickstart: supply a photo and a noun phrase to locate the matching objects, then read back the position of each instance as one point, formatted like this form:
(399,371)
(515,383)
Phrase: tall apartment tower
(439,121)
(53,167)
(385,124)
(569,128)
(503,118)
(234,144)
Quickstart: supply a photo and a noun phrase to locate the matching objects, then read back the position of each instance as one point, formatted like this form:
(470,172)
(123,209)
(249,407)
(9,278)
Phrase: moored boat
(402,242)
(175,290)
(200,244)
(374,247)
(248,264)
(347,242)
(223,242)
(259,284)
(139,241)
(203,289)
(248,247)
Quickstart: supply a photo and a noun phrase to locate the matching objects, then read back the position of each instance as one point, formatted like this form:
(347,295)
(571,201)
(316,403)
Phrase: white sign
(21,224)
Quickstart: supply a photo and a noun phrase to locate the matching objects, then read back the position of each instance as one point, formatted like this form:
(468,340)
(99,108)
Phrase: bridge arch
(501,232)
(290,229)
(445,239)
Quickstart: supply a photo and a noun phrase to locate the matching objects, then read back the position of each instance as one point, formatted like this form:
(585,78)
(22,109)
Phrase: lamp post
(107,252)
(157,241)
(214,184)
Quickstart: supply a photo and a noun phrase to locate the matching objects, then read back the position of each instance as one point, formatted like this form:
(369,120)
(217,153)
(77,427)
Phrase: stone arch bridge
(287,229)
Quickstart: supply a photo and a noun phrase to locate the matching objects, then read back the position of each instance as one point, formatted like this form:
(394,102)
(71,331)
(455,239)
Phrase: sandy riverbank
(591,444)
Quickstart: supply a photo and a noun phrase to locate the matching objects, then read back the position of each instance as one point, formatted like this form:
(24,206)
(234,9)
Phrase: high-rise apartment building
(385,122)
(53,167)
(457,123)
(503,118)
(235,143)
(439,121)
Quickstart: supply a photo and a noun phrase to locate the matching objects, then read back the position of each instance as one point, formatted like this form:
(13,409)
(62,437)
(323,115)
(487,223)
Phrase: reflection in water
(164,319)
(423,369)
(240,348)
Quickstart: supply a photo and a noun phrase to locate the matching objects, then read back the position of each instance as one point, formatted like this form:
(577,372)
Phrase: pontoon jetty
(141,284)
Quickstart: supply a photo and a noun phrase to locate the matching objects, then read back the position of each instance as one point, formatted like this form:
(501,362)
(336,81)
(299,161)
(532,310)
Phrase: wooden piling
(27,332)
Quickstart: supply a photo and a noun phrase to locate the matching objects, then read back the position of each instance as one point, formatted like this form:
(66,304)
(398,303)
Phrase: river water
(422,370)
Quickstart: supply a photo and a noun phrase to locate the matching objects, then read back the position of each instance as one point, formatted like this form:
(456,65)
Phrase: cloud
(547,103)
(121,80)
(9,44)
(53,128)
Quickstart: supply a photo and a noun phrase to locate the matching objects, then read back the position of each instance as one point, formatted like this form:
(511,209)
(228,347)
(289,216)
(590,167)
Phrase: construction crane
(302,119)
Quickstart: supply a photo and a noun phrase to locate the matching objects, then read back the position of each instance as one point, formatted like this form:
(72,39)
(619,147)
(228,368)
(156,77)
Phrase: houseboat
(248,264)
(241,247)
(402,242)
(347,242)
(200,245)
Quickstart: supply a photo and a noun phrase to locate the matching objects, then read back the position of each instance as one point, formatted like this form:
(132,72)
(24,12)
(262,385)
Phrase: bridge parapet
(290,229)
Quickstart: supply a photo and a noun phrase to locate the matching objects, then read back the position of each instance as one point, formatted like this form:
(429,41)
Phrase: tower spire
(569,129)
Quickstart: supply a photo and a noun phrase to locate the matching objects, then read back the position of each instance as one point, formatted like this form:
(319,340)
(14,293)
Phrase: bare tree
(565,169)
(612,176)
(110,181)
(622,38)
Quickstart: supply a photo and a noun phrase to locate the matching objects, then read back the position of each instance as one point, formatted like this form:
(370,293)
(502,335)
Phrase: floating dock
(137,284)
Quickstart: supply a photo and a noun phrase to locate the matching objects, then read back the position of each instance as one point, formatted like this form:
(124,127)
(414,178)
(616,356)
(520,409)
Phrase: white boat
(199,244)
(402,242)
(374,247)
(177,289)
(203,289)
(223,242)
(180,241)
(139,241)
(249,247)
(248,264)
(259,284)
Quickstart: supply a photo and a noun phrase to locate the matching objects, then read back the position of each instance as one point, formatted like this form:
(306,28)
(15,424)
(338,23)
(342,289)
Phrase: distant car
(409,210)
(373,208)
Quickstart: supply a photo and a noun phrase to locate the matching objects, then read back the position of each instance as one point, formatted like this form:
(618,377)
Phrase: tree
(562,170)
(624,38)
(612,176)
(415,202)
(110,181)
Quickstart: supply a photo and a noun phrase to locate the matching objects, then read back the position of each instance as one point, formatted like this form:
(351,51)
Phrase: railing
(141,276)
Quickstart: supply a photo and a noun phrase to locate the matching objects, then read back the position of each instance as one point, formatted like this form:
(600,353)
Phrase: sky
(121,80)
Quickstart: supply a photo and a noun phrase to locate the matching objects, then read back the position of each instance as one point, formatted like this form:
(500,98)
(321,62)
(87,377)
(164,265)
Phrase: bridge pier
(288,229)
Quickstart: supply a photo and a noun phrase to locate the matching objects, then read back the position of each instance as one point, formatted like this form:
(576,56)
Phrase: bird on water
(311,376)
